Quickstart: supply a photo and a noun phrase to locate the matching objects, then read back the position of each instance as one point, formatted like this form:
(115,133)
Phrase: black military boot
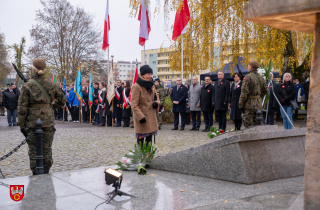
(46,171)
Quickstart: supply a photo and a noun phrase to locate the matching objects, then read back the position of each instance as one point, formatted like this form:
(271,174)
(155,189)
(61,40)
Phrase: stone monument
(304,16)
(258,154)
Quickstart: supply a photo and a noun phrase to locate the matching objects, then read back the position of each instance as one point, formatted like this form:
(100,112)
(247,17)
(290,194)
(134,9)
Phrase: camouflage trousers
(48,133)
(1,110)
(249,118)
(159,117)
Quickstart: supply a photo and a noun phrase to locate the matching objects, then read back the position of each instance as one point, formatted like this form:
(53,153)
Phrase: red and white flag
(181,20)
(105,43)
(144,23)
(134,81)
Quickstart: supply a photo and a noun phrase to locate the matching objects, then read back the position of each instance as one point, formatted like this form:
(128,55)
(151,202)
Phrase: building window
(145,62)
(120,70)
(151,55)
(154,62)
(129,66)
(132,66)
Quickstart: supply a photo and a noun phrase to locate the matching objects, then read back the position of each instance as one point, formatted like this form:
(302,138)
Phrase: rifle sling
(41,89)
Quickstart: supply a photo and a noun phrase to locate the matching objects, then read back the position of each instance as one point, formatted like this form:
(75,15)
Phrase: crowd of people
(214,99)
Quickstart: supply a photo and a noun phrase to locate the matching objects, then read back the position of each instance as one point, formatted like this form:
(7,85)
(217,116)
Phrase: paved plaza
(81,152)
(77,146)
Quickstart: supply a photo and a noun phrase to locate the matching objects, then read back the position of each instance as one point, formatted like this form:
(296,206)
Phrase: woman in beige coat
(144,102)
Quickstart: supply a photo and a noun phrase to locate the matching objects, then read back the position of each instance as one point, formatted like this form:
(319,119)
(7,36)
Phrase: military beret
(295,78)
(254,64)
(157,80)
(10,84)
(39,63)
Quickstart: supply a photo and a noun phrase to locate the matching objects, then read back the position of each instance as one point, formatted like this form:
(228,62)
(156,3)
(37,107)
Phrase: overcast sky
(18,16)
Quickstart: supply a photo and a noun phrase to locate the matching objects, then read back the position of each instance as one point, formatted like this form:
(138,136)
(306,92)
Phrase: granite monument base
(259,154)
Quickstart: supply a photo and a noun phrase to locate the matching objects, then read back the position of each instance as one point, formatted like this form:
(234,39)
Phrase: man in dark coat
(86,109)
(10,102)
(108,111)
(178,97)
(95,105)
(273,104)
(117,110)
(206,103)
(221,93)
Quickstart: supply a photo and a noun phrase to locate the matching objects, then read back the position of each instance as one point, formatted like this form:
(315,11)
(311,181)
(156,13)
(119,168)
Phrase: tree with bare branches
(4,64)
(65,36)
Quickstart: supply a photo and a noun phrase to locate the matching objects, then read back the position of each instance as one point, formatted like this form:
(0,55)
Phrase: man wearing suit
(206,103)
(178,97)
(273,104)
(194,104)
(117,110)
(86,109)
(221,92)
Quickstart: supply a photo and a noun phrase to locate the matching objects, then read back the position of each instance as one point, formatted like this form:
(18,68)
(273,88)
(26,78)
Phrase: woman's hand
(143,120)
(155,105)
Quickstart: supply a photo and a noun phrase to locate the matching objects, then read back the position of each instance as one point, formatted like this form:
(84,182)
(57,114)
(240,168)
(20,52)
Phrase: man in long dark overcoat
(178,97)
(221,98)
(206,103)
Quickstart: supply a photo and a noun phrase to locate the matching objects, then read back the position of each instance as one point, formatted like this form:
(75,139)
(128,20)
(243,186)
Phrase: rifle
(19,73)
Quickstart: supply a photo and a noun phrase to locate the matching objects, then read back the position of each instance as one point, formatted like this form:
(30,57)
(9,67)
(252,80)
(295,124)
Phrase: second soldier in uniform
(253,89)
(162,96)
(38,99)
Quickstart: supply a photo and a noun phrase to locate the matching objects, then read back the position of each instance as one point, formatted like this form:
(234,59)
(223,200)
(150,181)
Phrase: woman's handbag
(294,105)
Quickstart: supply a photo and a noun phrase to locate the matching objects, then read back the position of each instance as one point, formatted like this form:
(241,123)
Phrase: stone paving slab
(86,188)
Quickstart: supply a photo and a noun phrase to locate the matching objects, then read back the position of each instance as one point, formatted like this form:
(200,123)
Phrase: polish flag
(134,81)
(144,23)
(105,43)
(181,20)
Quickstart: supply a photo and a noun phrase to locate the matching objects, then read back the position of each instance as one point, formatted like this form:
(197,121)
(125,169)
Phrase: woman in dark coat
(126,106)
(235,93)
(286,93)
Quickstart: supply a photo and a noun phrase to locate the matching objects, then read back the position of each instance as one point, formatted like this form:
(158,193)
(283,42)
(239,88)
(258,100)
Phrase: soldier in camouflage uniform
(253,89)
(34,104)
(162,96)
(1,106)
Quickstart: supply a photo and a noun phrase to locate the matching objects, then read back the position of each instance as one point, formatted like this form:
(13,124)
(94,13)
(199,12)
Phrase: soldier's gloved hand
(143,120)
(24,132)
(224,103)
(242,110)
(155,105)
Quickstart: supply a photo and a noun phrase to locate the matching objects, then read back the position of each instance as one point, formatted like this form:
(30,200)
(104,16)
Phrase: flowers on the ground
(136,158)
(215,132)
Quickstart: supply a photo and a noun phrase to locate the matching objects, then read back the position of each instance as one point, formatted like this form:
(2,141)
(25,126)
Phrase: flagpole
(182,58)
(80,106)
(90,115)
(144,54)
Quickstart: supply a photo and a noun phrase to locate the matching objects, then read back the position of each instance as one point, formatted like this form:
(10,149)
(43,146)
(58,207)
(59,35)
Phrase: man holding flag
(78,91)
(90,96)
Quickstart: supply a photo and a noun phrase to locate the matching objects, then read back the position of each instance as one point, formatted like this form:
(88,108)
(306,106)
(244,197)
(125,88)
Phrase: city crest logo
(16,192)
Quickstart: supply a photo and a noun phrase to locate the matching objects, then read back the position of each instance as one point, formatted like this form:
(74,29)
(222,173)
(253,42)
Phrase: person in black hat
(144,102)
(10,102)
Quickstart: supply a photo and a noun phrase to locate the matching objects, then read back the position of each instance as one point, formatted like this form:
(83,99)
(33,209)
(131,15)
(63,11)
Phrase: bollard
(39,146)
(259,118)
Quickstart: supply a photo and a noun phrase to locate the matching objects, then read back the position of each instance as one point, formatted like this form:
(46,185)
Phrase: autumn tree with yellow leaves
(218,32)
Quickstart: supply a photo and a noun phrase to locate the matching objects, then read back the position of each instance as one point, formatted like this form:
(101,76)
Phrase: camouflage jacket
(161,93)
(31,94)
(250,87)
